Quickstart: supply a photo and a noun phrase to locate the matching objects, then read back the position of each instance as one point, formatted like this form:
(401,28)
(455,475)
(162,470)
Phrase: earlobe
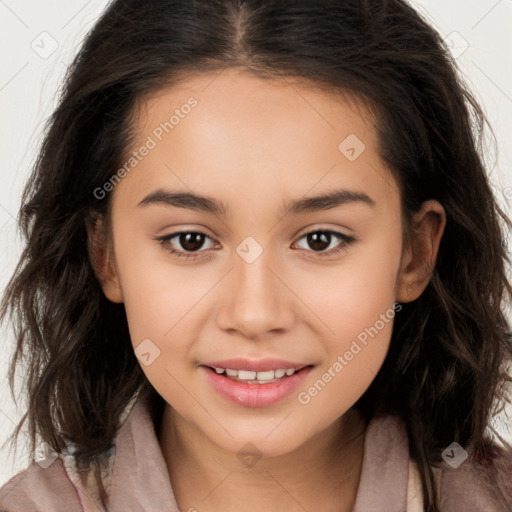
(103,263)
(419,258)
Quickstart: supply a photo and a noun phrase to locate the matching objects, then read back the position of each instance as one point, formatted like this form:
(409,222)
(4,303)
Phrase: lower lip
(255,395)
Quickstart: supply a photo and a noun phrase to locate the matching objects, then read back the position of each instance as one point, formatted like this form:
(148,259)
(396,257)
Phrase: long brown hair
(445,374)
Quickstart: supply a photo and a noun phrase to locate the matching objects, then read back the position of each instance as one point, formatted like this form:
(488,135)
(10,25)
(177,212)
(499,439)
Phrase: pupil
(313,240)
(191,241)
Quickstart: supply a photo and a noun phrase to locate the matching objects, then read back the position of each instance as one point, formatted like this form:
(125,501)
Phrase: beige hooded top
(137,478)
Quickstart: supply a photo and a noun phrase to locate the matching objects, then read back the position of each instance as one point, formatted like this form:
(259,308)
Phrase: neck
(323,473)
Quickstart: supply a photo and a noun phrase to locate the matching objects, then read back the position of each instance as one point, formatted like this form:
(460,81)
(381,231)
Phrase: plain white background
(38,39)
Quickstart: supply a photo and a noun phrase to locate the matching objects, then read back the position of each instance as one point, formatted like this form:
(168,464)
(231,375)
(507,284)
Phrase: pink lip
(255,395)
(254,366)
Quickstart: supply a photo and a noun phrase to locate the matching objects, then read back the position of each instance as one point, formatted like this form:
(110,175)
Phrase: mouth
(249,388)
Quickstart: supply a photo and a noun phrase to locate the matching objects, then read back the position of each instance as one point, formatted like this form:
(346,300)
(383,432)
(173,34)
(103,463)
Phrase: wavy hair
(446,371)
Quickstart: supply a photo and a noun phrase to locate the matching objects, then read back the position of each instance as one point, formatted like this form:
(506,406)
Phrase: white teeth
(245,375)
(256,377)
(268,375)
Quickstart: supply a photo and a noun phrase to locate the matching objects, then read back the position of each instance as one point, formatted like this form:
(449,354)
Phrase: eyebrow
(207,204)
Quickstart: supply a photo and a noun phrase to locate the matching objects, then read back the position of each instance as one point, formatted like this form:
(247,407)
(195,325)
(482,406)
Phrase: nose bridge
(252,269)
(257,300)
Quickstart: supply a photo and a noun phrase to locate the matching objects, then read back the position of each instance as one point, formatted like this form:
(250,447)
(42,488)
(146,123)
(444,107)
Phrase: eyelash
(164,242)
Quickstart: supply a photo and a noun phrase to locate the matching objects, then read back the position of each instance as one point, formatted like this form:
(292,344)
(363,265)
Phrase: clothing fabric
(137,478)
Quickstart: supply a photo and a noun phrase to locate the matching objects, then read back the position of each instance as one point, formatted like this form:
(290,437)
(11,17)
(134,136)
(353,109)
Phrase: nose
(259,303)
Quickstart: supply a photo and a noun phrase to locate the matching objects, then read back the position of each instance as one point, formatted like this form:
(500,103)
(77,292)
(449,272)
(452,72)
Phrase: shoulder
(38,489)
(479,485)
(57,486)
(13,495)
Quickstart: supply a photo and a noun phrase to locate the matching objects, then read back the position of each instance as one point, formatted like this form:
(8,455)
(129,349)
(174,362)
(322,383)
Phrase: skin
(255,145)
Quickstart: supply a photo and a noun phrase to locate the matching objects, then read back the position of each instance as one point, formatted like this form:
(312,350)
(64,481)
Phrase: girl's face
(267,270)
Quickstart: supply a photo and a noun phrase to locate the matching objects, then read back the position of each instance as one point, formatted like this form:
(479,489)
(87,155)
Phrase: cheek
(159,301)
(360,322)
(355,304)
(157,292)
(337,385)
(349,296)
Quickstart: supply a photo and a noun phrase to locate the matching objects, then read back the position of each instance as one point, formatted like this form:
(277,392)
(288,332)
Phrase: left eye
(192,241)
(317,239)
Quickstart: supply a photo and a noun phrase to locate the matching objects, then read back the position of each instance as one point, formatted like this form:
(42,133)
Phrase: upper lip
(260,365)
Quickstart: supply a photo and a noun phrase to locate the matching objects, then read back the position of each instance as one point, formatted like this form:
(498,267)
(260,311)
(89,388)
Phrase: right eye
(189,240)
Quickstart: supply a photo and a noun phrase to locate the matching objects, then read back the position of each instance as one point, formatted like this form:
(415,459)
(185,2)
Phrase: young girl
(334,339)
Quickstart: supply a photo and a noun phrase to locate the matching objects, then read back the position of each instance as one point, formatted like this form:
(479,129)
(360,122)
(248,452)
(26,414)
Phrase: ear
(419,257)
(103,262)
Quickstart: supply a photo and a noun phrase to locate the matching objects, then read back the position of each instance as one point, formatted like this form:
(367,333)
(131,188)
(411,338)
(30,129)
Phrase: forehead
(226,96)
(229,132)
